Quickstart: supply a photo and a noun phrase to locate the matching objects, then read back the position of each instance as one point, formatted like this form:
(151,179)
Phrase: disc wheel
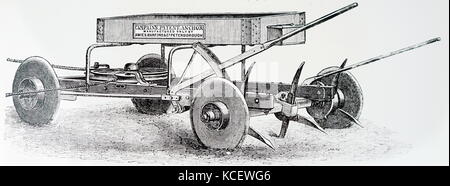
(149,106)
(35,74)
(327,114)
(219,114)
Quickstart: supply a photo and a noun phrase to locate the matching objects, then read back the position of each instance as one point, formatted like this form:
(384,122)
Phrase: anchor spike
(308,122)
(350,117)
(335,81)
(252,132)
(284,127)
(294,84)
(343,63)
(291,99)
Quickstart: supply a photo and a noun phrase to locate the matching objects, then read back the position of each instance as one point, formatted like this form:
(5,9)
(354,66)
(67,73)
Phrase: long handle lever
(374,59)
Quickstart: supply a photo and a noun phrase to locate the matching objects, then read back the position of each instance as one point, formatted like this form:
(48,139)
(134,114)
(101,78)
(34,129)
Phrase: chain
(54,66)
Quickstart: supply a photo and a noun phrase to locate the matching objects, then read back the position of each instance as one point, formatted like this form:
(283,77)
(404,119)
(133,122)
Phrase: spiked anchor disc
(219,114)
(35,74)
(348,99)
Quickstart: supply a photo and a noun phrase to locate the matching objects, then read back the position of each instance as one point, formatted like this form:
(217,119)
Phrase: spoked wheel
(36,74)
(149,106)
(219,114)
(345,109)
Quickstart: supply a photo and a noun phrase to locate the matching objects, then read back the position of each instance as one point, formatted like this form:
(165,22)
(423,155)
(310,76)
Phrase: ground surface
(114,132)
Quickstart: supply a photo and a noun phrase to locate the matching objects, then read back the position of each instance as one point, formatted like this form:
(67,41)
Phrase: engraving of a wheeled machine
(220,108)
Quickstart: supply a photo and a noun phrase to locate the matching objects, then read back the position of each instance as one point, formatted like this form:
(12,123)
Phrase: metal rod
(38,91)
(170,59)
(187,66)
(163,59)
(88,56)
(53,65)
(380,57)
(284,26)
(109,95)
(56,89)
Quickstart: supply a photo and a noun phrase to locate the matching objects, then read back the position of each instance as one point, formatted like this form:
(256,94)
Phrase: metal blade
(308,122)
(350,117)
(294,84)
(291,99)
(284,127)
(343,63)
(335,80)
(252,132)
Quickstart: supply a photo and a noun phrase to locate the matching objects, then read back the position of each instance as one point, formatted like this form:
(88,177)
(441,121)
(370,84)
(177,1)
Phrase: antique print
(253,82)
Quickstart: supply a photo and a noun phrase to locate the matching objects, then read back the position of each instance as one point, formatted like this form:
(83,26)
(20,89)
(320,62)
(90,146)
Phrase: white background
(407,93)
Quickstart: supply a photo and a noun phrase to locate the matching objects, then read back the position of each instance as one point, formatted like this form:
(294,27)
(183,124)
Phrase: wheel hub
(32,100)
(321,109)
(215,115)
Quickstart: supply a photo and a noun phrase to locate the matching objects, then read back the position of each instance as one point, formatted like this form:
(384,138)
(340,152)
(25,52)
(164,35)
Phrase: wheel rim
(219,117)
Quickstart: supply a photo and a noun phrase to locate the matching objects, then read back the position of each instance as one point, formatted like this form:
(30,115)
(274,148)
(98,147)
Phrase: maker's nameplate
(168,31)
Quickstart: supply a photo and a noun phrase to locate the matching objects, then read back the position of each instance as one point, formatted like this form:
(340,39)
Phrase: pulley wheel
(219,114)
(35,74)
(149,106)
(349,99)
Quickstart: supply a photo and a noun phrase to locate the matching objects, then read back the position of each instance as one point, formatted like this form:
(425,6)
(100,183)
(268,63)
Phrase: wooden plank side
(210,30)
(215,32)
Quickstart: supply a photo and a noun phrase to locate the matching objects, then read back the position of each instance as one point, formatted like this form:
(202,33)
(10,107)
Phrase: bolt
(256,100)
(205,117)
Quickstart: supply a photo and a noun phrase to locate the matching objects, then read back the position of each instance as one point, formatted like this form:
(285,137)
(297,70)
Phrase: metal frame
(88,56)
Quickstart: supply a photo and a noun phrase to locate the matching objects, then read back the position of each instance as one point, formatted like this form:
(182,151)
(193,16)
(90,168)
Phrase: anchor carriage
(220,108)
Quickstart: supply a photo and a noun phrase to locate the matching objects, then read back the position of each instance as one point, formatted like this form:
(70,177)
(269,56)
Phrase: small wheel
(349,98)
(35,74)
(149,106)
(219,114)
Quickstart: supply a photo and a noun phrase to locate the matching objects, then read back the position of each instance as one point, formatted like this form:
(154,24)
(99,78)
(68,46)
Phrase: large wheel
(219,114)
(348,99)
(35,74)
(148,106)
